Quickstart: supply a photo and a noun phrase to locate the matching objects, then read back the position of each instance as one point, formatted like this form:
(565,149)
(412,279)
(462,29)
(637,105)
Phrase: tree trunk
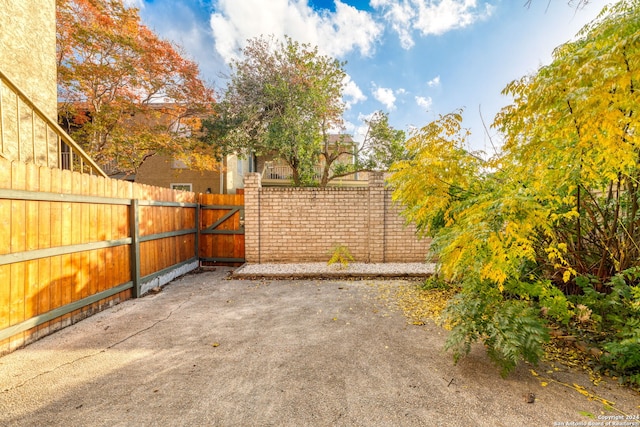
(295,176)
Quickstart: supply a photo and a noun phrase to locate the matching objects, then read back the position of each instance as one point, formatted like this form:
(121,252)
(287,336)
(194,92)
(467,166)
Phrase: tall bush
(556,208)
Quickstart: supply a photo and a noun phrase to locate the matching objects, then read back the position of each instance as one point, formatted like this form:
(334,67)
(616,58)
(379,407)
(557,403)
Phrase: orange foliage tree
(125,94)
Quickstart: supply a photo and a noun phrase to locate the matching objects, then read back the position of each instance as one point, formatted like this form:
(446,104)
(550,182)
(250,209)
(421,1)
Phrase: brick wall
(304,224)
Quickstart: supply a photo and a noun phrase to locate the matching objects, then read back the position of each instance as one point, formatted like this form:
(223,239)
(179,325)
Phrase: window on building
(181,186)
(240,167)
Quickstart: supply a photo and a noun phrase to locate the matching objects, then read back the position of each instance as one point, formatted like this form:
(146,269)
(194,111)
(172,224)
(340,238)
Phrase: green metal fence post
(197,227)
(135,247)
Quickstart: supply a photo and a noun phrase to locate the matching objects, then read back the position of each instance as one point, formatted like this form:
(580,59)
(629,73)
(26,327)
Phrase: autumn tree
(125,93)
(547,230)
(284,99)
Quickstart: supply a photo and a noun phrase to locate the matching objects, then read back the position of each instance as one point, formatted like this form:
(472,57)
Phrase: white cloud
(185,25)
(359,131)
(351,93)
(335,33)
(429,17)
(138,4)
(434,82)
(385,96)
(423,102)
(353,130)
(400,16)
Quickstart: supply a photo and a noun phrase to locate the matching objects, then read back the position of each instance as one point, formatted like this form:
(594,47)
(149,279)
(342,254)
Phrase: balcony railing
(284,173)
(34,137)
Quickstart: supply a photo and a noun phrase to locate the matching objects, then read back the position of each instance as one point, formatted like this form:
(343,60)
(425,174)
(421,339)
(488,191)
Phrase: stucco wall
(304,224)
(28,58)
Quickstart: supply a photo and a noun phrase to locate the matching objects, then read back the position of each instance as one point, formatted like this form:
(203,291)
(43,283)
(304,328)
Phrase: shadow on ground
(212,351)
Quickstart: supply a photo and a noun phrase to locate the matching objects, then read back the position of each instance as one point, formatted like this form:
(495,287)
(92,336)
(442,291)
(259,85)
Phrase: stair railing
(68,154)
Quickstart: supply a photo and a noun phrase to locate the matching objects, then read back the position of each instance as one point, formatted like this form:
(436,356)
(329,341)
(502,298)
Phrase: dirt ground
(208,351)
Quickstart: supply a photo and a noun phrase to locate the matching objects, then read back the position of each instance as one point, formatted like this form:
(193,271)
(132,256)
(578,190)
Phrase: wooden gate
(222,229)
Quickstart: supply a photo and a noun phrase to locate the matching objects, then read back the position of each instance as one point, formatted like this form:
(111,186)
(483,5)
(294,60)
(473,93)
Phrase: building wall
(28,49)
(305,224)
(236,168)
(28,58)
(161,171)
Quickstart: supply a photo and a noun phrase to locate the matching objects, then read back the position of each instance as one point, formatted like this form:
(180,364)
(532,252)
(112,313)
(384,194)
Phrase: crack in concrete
(87,356)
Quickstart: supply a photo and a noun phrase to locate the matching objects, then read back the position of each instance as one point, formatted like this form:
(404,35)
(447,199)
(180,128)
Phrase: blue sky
(414,59)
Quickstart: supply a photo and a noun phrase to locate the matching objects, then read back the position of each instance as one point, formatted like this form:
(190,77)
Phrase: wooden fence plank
(31,287)
(206,240)
(76,238)
(109,211)
(117,232)
(125,191)
(93,274)
(101,227)
(116,217)
(160,227)
(228,239)
(18,244)
(84,268)
(5,247)
(164,248)
(66,282)
(44,241)
(155,226)
(178,224)
(56,240)
(5,304)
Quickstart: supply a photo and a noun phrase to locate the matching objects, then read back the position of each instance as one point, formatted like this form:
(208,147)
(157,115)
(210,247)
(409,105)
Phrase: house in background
(164,171)
(276,172)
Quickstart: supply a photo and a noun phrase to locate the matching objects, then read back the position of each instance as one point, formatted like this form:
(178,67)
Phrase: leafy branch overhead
(284,99)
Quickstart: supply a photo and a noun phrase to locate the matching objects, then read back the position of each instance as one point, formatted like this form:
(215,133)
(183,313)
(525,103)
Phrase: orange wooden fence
(222,229)
(72,244)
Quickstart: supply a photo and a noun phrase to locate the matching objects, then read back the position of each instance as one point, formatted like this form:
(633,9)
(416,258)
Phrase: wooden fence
(222,229)
(72,244)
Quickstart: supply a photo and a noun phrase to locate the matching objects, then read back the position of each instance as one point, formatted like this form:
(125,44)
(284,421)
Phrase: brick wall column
(252,187)
(376,217)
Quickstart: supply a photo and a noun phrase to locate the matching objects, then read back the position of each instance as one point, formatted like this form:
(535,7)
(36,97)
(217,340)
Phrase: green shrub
(510,329)
(340,254)
(616,318)
(435,282)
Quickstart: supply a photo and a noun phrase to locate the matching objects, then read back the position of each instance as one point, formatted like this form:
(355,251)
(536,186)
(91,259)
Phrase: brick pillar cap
(253,179)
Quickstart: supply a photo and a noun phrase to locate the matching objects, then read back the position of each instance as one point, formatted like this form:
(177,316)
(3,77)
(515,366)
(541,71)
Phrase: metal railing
(284,172)
(32,126)
(277,172)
